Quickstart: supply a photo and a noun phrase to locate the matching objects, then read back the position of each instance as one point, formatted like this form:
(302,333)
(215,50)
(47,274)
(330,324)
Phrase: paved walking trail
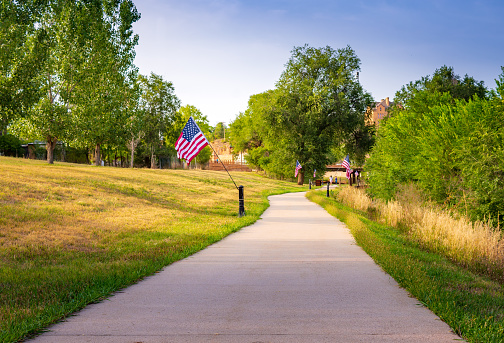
(294,276)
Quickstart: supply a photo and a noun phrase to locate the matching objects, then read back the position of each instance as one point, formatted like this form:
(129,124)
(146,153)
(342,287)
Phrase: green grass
(471,304)
(71,234)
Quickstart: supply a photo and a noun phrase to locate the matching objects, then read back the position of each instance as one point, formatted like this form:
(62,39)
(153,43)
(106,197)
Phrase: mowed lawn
(72,234)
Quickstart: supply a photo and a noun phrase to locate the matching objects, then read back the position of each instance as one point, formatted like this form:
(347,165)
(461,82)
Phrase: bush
(11,146)
(476,245)
(453,152)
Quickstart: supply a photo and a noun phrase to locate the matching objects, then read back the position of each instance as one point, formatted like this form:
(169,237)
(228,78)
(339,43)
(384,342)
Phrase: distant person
(336,180)
(330,179)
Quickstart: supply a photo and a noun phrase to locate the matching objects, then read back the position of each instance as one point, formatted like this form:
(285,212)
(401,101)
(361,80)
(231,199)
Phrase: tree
(134,121)
(86,70)
(187,111)
(51,117)
(249,132)
(159,106)
(100,100)
(448,147)
(249,129)
(444,80)
(318,99)
(22,53)
(219,131)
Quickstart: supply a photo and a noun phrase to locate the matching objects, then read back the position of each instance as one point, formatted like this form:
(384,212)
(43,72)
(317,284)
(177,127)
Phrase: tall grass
(476,245)
(470,303)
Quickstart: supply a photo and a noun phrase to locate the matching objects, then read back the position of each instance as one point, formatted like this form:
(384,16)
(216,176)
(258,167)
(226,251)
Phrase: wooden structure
(231,166)
(354,179)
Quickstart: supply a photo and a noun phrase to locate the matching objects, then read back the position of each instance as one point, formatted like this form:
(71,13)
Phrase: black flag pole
(241,200)
(192,142)
(222,164)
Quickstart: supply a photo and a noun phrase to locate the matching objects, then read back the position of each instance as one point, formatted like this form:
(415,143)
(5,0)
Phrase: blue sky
(218,53)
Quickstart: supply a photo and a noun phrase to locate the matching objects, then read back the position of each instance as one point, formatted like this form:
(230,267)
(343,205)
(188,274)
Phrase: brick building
(380,110)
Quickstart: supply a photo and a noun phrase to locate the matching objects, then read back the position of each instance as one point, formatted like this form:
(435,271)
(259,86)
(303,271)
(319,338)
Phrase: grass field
(471,303)
(72,234)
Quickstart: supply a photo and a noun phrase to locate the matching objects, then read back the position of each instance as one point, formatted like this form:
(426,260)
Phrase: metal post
(241,201)
(328,189)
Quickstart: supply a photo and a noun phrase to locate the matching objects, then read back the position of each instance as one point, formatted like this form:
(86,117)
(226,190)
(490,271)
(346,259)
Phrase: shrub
(476,245)
(10,145)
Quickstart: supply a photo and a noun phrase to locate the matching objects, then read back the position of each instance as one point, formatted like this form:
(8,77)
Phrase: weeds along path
(471,303)
(296,275)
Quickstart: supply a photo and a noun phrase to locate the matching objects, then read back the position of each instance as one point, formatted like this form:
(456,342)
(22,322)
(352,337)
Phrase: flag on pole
(298,166)
(190,142)
(346,164)
(314,173)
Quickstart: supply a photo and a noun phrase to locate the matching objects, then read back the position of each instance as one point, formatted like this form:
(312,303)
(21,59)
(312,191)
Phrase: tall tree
(318,98)
(22,53)
(101,98)
(66,46)
(87,73)
(159,106)
(135,121)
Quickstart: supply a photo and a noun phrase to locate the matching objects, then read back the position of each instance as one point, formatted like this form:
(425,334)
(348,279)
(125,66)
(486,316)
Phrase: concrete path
(294,276)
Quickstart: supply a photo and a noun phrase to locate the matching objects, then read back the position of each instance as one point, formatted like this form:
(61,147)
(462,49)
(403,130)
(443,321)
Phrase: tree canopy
(448,145)
(84,71)
(22,53)
(318,103)
(67,76)
(444,80)
(159,106)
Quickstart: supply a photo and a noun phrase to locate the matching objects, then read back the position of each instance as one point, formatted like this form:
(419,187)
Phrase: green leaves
(317,104)
(21,54)
(158,111)
(452,148)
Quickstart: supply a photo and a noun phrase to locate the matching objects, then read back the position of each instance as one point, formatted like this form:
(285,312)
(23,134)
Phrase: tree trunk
(50,145)
(132,146)
(153,159)
(300,178)
(97,155)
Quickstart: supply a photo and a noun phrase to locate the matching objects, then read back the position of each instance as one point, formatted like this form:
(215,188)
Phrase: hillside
(72,234)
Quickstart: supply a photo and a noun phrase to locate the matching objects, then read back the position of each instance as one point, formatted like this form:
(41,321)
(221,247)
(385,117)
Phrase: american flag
(298,166)
(346,164)
(190,142)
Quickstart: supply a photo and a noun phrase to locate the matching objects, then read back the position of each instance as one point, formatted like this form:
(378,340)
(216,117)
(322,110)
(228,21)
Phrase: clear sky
(218,53)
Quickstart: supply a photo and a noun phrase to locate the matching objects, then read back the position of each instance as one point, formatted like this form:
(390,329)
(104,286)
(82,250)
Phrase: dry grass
(474,244)
(81,207)
(470,303)
(69,234)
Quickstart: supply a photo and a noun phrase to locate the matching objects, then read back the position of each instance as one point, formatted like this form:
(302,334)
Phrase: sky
(217,53)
